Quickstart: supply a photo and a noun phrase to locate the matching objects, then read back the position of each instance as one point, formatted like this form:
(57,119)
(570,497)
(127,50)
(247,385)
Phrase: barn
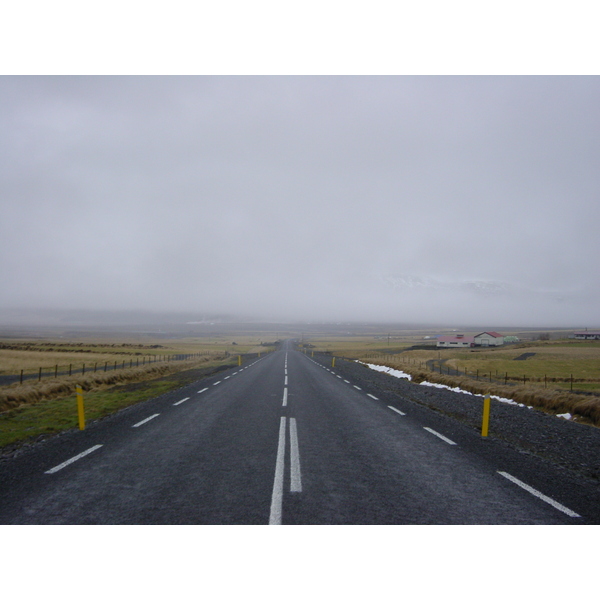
(489,338)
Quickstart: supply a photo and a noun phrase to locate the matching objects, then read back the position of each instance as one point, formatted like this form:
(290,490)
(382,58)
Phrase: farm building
(587,335)
(489,338)
(455,341)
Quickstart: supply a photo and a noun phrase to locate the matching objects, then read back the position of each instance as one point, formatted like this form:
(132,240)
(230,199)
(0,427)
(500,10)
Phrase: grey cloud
(303,197)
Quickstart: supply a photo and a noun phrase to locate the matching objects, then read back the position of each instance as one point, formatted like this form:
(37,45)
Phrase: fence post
(55,371)
(21,377)
(40,375)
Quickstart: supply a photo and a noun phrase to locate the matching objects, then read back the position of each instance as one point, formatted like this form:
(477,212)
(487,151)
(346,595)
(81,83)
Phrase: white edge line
(539,495)
(296,479)
(371,396)
(448,441)
(277,497)
(146,420)
(398,411)
(180,402)
(202,390)
(72,460)
(218,382)
(358,387)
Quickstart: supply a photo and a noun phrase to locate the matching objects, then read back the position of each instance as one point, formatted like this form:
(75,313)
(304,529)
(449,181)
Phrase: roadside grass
(16,395)
(49,416)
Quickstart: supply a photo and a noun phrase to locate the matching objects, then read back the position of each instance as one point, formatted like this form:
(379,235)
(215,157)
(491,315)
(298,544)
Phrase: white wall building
(587,335)
(455,341)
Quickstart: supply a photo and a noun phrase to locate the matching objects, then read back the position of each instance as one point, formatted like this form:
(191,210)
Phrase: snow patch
(565,416)
(402,374)
(388,370)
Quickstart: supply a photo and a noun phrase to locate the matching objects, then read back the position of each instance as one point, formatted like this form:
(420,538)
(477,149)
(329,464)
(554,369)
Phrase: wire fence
(571,382)
(67,370)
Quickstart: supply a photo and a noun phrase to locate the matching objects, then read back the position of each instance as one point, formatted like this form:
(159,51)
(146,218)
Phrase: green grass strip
(49,417)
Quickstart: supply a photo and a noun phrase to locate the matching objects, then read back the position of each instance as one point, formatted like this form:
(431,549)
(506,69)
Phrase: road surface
(284,439)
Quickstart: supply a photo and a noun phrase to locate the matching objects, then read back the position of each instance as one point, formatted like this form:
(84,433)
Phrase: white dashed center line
(398,411)
(146,420)
(440,436)
(72,460)
(539,495)
(180,402)
(371,396)
(202,390)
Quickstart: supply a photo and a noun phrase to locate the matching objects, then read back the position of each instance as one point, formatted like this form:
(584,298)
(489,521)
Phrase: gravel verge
(573,446)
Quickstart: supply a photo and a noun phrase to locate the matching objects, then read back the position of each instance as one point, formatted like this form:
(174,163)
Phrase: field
(21,354)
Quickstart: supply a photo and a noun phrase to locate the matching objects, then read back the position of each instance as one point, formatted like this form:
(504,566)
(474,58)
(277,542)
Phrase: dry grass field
(27,355)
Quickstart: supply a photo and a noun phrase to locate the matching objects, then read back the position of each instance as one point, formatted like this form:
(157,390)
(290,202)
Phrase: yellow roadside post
(239,360)
(333,362)
(80,410)
(486,416)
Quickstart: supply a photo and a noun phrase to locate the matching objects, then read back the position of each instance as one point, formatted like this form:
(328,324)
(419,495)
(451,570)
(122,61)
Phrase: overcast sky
(436,198)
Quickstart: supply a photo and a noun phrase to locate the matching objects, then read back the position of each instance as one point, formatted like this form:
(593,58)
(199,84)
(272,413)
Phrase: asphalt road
(284,439)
